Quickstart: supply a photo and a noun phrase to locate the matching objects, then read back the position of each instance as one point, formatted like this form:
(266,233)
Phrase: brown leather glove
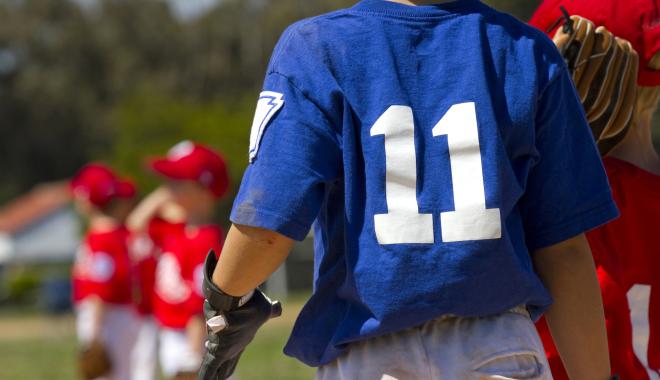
(604,69)
(94,361)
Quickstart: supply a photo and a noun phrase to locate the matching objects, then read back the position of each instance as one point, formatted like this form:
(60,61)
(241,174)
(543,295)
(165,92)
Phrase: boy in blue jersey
(446,165)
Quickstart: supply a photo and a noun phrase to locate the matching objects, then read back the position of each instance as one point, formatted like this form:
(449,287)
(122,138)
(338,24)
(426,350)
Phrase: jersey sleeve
(102,270)
(566,192)
(295,155)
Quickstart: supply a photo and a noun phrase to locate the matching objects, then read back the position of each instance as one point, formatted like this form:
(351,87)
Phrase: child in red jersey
(196,178)
(101,272)
(156,217)
(627,250)
(629,247)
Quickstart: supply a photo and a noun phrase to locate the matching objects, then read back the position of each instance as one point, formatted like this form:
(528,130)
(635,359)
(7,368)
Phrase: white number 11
(403,223)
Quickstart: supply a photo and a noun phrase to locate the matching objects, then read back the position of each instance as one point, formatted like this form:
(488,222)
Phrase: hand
(232,323)
(151,206)
(196,332)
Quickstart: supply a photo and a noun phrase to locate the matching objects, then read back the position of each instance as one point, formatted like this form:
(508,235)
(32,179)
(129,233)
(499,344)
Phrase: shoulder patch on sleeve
(269,104)
(103,267)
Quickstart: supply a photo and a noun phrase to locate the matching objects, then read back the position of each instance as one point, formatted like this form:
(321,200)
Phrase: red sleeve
(145,282)
(143,271)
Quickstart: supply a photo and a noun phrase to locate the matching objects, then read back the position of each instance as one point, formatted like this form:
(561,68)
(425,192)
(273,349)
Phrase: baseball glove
(232,323)
(94,361)
(604,70)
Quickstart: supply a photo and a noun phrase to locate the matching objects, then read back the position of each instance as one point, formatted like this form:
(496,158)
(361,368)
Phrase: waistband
(521,309)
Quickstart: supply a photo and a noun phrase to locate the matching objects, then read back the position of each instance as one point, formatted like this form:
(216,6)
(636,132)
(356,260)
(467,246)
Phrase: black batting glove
(231,323)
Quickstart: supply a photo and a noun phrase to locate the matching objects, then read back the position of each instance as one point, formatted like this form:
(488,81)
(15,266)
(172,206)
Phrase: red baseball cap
(637,21)
(191,161)
(99,185)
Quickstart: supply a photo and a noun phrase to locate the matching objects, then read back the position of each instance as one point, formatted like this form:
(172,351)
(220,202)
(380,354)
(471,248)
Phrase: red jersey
(179,274)
(627,254)
(145,248)
(102,267)
(143,258)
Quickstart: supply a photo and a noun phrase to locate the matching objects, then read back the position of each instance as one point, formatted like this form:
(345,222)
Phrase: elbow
(566,256)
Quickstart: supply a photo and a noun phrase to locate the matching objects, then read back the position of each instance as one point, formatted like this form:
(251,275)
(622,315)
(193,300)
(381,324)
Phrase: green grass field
(34,347)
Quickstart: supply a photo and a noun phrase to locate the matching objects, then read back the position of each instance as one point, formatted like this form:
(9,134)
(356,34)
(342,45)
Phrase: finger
(228,367)
(618,127)
(624,99)
(608,71)
(601,124)
(209,369)
(585,31)
(603,50)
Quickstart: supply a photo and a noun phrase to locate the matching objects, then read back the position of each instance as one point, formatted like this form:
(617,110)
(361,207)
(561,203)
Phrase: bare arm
(157,203)
(98,316)
(249,256)
(576,318)
(196,332)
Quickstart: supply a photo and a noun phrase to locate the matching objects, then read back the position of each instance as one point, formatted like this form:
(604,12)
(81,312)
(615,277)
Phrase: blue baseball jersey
(432,148)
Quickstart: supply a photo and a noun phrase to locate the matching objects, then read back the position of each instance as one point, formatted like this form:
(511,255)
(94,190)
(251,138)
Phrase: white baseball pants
(117,333)
(145,352)
(502,347)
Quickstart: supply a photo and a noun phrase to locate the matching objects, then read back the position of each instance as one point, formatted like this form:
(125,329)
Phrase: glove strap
(566,18)
(219,300)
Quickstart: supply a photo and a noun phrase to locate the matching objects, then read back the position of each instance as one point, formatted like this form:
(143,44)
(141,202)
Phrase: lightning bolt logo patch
(269,104)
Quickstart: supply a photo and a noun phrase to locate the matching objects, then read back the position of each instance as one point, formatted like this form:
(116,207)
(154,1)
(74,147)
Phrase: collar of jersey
(397,9)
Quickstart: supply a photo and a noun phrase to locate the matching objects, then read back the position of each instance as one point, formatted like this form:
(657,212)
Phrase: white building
(39,227)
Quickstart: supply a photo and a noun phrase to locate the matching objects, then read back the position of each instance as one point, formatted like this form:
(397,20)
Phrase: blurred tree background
(119,80)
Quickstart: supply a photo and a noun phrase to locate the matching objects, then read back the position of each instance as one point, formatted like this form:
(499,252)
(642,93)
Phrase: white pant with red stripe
(117,334)
(176,354)
(145,351)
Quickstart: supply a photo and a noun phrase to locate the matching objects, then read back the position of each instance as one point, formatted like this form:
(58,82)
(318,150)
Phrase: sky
(188,9)
(185,9)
